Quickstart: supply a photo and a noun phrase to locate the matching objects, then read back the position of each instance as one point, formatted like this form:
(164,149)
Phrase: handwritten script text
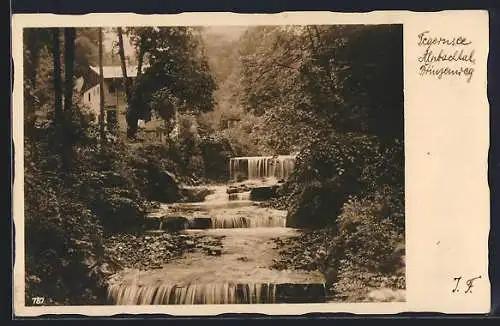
(443,57)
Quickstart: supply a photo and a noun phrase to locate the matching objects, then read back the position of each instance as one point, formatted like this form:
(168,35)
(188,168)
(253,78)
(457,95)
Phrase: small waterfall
(240,196)
(257,167)
(213,293)
(231,222)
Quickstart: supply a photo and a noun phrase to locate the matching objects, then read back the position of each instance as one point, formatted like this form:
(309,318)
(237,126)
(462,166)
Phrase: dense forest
(331,94)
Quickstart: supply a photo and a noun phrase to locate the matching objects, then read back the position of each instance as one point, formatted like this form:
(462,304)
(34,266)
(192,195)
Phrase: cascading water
(240,196)
(231,222)
(257,167)
(238,272)
(213,293)
(221,210)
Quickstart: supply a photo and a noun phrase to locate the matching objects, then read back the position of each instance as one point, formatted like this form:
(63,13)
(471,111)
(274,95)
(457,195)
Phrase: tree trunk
(132,116)
(69,61)
(140,59)
(101,91)
(56,55)
(31,64)
(121,51)
(33,49)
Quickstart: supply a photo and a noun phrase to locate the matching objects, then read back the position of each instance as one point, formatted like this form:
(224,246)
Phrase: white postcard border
(446,229)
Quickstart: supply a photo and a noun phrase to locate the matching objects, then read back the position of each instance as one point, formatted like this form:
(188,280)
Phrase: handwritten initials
(468,283)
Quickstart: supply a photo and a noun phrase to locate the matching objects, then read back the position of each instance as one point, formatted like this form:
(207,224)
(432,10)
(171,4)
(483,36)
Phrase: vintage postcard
(209,163)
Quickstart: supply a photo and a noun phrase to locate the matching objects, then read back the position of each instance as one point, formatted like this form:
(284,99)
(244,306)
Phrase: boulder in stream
(167,187)
(175,224)
(204,222)
(192,195)
(300,293)
(237,189)
(232,190)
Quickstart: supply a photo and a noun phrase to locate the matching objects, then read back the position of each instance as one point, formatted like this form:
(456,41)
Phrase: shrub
(216,153)
(155,173)
(64,237)
(370,232)
(189,157)
(67,214)
(118,212)
(62,255)
(313,205)
(326,173)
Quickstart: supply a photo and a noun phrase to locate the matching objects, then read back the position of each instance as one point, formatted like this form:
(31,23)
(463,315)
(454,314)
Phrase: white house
(115,103)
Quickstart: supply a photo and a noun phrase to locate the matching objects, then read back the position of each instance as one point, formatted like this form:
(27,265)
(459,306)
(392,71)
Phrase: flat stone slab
(157,215)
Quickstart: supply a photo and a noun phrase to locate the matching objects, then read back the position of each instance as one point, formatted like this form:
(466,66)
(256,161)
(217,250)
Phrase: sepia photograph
(200,164)
(191,165)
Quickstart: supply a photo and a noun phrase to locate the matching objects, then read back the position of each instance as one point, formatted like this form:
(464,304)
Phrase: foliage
(322,91)
(327,172)
(216,152)
(177,76)
(224,62)
(191,158)
(86,50)
(154,171)
(309,251)
(68,214)
(245,131)
(64,235)
(363,249)
(310,80)
(71,208)
(335,95)
(35,58)
(371,232)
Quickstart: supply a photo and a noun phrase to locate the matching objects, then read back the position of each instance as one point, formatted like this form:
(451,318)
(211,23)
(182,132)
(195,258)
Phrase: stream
(237,272)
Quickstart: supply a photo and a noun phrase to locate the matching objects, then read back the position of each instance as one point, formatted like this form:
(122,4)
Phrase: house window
(89,96)
(111,87)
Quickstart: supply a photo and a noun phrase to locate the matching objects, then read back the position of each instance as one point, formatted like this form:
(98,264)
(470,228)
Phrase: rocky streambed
(219,250)
(151,250)
(242,254)
(346,281)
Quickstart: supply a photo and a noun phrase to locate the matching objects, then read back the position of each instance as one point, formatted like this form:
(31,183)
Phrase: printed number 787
(37,300)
